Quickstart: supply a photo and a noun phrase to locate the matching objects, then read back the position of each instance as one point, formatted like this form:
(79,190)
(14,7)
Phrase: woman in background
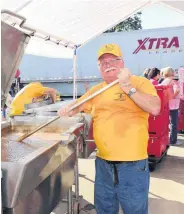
(154,76)
(174,102)
(146,72)
(161,77)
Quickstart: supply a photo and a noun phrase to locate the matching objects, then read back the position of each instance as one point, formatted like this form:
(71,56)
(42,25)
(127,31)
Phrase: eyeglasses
(109,62)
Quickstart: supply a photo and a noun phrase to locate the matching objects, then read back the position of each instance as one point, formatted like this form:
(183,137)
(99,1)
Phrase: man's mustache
(109,69)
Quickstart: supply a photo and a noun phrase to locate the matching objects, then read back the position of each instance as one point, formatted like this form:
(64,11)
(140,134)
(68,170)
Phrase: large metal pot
(38,172)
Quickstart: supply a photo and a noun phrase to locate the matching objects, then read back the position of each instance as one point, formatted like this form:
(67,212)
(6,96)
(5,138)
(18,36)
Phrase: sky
(159,16)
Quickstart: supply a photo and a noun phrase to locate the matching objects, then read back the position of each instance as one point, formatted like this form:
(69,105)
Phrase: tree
(132,23)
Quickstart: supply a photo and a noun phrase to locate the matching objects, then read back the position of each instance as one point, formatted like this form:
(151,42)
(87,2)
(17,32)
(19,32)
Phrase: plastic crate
(181,109)
(162,92)
(158,145)
(158,124)
(181,121)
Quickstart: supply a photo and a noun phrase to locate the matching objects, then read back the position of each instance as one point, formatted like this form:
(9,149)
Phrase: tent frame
(44,36)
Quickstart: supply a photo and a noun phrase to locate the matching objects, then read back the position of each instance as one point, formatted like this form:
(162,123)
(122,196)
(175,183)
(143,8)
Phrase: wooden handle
(94,94)
(37,129)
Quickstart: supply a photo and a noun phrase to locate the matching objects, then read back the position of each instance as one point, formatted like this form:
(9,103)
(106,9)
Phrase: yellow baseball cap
(110,49)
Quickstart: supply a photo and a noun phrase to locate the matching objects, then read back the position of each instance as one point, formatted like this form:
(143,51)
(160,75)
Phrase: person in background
(12,91)
(174,102)
(146,72)
(31,93)
(161,77)
(3,112)
(154,76)
(120,128)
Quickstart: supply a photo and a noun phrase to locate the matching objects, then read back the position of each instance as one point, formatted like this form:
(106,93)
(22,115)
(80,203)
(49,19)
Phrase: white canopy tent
(72,23)
(77,21)
(175,5)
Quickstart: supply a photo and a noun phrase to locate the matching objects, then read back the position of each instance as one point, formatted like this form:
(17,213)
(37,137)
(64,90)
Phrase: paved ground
(166,187)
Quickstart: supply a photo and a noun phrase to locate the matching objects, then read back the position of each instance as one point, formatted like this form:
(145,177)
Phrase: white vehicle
(141,49)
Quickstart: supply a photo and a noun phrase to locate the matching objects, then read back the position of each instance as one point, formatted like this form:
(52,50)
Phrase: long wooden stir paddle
(72,108)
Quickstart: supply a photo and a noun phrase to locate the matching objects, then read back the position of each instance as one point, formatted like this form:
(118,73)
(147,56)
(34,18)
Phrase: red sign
(157,43)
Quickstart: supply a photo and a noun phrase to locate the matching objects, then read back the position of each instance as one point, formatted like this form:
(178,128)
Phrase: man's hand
(52,93)
(124,77)
(65,111)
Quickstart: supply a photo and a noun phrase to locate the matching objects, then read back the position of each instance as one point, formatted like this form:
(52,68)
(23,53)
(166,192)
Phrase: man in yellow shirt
(120,130)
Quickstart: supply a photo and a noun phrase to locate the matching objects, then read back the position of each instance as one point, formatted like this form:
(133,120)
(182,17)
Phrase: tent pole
(75,74)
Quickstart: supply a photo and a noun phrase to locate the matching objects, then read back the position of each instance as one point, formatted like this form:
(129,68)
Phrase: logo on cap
(109,47)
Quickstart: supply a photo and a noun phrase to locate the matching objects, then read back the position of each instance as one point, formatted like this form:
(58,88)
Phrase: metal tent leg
(77,198)
(70,202)
(77,174)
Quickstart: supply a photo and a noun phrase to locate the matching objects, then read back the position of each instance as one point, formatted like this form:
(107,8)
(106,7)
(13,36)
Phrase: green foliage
(132,23)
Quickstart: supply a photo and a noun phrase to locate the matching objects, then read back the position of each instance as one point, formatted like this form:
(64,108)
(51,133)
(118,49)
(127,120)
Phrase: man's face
(110,66)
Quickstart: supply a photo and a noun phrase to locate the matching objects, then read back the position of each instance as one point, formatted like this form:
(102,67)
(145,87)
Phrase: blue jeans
(129,187)
(173,126)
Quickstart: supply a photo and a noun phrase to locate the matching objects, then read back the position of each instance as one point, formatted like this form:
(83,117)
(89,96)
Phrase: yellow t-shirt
(120,127)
